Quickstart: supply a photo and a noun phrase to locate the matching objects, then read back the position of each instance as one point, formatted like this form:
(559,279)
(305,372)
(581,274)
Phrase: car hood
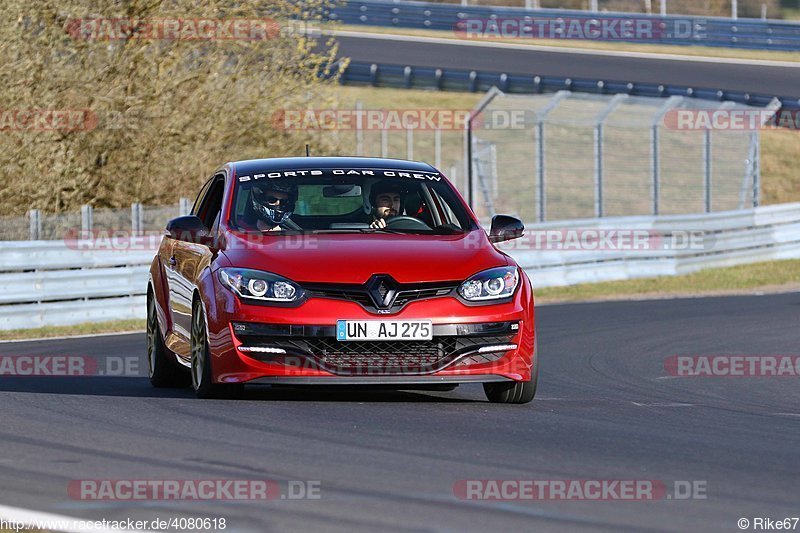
(354,258)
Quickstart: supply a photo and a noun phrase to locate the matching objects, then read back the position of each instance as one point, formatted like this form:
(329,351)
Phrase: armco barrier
(51,283)
(454,79)
(707,31)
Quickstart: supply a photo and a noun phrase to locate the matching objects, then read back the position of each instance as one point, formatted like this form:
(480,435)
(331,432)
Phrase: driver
(386,198)
(273,204)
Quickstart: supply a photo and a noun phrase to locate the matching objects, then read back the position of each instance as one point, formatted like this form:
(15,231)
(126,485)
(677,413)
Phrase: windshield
(348,201)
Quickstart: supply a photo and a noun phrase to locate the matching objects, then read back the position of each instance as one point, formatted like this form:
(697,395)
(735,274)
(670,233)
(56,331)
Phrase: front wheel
(518,392)
(202,381)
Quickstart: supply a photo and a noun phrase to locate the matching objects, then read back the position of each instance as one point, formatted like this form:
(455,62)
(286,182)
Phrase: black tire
(201,375)
(164,371)
(517,392)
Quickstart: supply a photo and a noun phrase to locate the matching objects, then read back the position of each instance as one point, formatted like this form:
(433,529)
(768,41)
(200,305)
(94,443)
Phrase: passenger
(386,198)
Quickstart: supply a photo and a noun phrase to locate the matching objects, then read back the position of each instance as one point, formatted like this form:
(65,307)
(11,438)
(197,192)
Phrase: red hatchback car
(338,271)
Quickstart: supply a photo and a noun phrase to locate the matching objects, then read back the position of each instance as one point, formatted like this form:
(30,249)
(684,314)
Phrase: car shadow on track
(139,387)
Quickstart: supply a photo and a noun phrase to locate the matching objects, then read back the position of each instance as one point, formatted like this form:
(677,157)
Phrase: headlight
(258,285)
(492,284)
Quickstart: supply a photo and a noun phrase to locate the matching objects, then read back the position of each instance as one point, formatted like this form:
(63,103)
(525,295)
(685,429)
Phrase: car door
(190,258)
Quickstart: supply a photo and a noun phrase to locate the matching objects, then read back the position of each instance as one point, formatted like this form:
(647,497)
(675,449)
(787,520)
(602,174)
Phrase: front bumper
(298,346)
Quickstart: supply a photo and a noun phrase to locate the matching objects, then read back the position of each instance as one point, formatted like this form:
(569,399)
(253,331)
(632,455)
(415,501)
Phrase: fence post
(184,207)
(599,131)
(734,9)
(541,167)
(35,217)
(655,140)
(409,143)
(359,132)
(594,7)
(707,170)
(540,170)
(437,147)
(384,143)
(86,221)
(664,8)
(137,221)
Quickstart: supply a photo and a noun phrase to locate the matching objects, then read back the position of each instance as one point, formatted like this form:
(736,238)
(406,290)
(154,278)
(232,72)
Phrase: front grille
(360,293)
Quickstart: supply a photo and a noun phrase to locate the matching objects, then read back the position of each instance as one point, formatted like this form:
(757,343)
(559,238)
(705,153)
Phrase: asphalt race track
(388,461)
(774,79)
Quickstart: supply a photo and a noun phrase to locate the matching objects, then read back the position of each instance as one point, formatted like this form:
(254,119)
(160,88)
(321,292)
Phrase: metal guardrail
(454,79)
(57,283)
(715,31)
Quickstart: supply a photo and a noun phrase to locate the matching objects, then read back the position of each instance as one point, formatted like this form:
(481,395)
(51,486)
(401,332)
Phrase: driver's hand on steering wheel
(378,223)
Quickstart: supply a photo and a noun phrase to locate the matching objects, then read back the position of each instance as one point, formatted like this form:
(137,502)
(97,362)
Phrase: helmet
(267,205)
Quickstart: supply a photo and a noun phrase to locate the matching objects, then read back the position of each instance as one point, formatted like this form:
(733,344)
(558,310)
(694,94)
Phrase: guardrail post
(184,207)
(137,219)
(707,170)
(359,131)
(35,217)
(86,221)
(407,76)
(755,141)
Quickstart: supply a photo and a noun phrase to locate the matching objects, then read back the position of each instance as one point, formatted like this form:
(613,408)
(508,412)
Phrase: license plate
(384,330)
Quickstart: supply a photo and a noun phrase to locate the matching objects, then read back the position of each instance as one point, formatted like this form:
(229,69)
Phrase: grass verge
(117,326)
(770,277)
(694,51)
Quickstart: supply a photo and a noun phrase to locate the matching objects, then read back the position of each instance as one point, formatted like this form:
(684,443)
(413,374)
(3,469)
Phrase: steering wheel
(406,222)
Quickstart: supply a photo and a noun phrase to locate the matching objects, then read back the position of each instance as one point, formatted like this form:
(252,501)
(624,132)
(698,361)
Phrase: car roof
(290,163)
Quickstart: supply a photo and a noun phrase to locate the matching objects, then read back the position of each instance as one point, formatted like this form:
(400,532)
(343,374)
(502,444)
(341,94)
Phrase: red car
(338,271)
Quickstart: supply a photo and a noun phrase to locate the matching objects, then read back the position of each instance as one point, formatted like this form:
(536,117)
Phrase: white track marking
(67,337)
(50,521)
(559,49)
(663,404)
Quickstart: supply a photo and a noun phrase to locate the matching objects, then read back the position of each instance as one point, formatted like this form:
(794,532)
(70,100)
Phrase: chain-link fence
(570,155)
(136,219)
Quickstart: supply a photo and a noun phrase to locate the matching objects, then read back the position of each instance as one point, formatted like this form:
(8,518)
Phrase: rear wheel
(202,382)
(163,369)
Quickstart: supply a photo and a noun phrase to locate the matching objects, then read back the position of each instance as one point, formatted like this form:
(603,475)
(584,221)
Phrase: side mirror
(506,228)
(189,229)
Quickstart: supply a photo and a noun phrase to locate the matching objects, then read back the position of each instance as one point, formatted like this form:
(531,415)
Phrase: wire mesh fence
(136,219)
(571,156)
